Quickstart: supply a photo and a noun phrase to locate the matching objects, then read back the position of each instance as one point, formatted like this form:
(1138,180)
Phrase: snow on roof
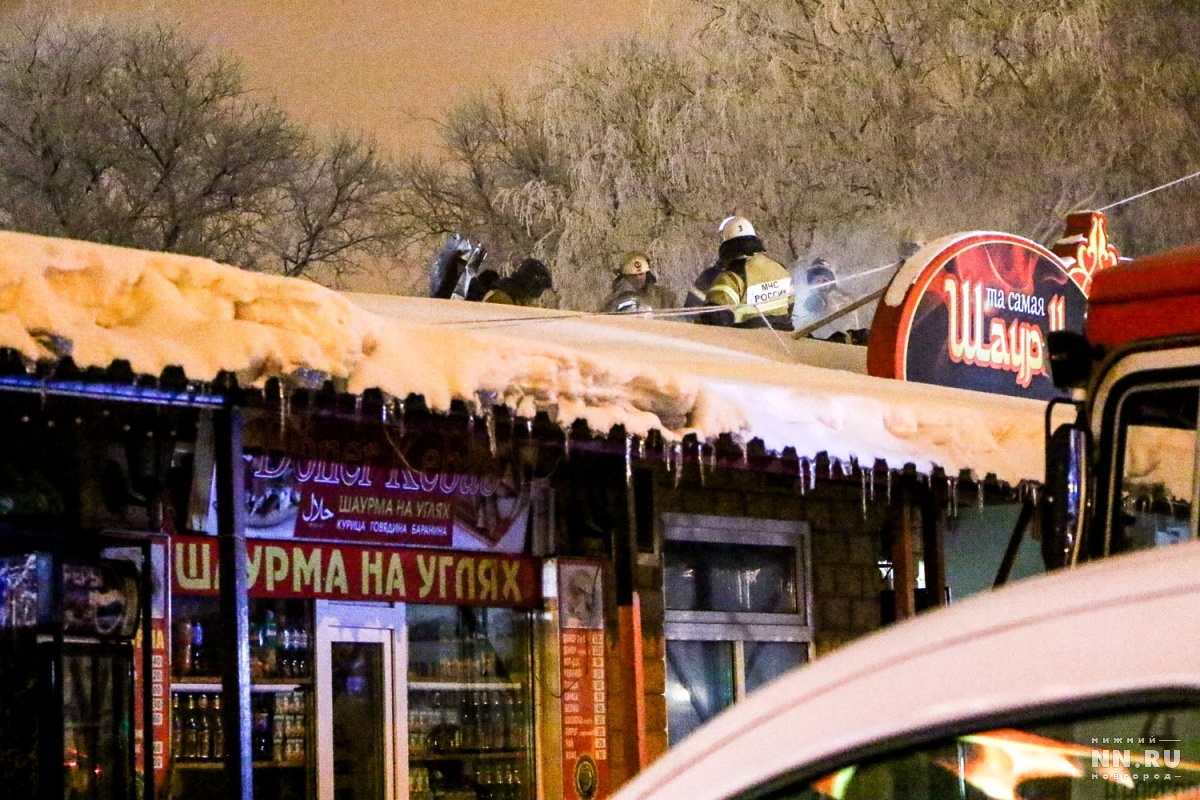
(157,309)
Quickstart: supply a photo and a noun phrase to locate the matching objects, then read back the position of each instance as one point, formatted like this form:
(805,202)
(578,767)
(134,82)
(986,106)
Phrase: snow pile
(156,310)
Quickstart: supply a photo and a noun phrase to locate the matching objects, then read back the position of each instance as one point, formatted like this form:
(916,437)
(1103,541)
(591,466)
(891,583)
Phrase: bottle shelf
(212,765)
(211,685)
(468,755)
(462,686)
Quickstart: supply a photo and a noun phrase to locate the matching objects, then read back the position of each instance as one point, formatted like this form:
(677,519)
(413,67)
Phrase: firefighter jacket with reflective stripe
(767,281)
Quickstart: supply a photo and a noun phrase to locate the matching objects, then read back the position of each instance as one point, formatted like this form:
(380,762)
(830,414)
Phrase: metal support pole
(233,630)
(932,542)
(903,569)
(1014,543)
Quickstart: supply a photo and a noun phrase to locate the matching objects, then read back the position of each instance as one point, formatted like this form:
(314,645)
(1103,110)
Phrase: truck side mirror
(1071,358)
(1064,499)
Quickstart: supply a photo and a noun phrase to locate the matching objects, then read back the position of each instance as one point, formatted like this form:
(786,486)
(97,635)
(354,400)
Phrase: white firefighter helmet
(734,227)
(634,264)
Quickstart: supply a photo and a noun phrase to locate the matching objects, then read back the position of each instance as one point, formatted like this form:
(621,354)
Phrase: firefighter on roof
(636,288)
(754,290)
(524,286)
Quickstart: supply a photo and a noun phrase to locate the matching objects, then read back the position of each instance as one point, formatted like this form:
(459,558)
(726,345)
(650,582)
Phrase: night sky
(386,66)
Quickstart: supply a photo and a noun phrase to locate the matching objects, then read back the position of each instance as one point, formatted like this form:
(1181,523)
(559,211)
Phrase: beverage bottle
(218,729)
(257,659)
(300,642)
(203,731)
(508,737)
(486,730)
(437,724)
(187,747)
(176,728)
(181,656)
(270,642)
(286,663)
(260,728)
(199,658)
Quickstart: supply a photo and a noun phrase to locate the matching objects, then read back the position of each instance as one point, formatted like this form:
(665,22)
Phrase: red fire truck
(1123,475)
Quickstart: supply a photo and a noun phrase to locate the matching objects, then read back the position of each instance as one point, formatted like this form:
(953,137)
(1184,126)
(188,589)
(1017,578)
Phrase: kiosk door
(360,661)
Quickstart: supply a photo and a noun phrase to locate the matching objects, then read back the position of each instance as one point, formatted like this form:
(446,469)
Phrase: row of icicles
(393,412)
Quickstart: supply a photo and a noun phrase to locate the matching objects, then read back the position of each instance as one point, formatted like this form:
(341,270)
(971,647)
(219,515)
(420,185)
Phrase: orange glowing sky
(386,66)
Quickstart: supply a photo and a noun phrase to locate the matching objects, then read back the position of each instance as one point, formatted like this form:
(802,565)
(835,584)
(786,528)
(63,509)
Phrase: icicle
(701,462)
(283,411)
(529,427)
(712,459)
(862,474)
(952,484)
(889,487)
(641,448)
(628,463)
(743,456)
(489,421)
(871,485)
(677,455)
(812,477)
(567,444)
(979,488)
(802,465)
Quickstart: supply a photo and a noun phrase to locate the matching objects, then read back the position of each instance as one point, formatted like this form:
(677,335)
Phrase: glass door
(97,715)
(470,734)
(359,652)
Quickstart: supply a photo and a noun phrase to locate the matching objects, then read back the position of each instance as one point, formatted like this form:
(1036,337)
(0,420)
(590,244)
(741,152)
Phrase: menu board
(584,682)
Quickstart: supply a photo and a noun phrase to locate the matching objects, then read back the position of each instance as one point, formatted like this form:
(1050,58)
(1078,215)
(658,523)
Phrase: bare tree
(839,127)
(138,137)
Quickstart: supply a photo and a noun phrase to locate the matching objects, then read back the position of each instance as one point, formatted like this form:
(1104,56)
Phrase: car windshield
(1147,754)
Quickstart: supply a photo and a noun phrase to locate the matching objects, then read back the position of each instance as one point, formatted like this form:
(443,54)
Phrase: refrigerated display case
(67,627)
(281,702)
(470,734)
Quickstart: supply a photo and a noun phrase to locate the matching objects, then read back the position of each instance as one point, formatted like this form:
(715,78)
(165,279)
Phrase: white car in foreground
(1084,684)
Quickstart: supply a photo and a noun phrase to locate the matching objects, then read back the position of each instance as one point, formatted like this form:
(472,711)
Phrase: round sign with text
(973,311)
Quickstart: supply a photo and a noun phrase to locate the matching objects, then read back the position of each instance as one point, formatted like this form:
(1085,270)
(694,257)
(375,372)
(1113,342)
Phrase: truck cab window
(1148,753)
(1156,441)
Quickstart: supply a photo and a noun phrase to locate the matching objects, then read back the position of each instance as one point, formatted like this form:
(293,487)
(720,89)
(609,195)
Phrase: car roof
(1127,624)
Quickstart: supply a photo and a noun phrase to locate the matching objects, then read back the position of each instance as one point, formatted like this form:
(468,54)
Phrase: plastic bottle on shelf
(286,663)
(176,727)
(203,731)
(198,656)
(437,723)
(260,728)
(217,729)
(181,640)
(270,642)
(487,722)
(468,711)
(188,738)
(300,644)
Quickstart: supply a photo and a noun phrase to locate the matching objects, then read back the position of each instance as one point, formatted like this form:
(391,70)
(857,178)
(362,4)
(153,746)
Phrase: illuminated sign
(1084,247)
(284,568)
(973,311)
(343,490)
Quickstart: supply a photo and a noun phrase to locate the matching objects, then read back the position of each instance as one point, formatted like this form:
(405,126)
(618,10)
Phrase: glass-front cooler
(470,726)
(280,633)
(67,725)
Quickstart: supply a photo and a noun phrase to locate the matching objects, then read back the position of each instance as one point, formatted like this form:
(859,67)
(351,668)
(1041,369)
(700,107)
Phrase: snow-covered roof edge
(156,310)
